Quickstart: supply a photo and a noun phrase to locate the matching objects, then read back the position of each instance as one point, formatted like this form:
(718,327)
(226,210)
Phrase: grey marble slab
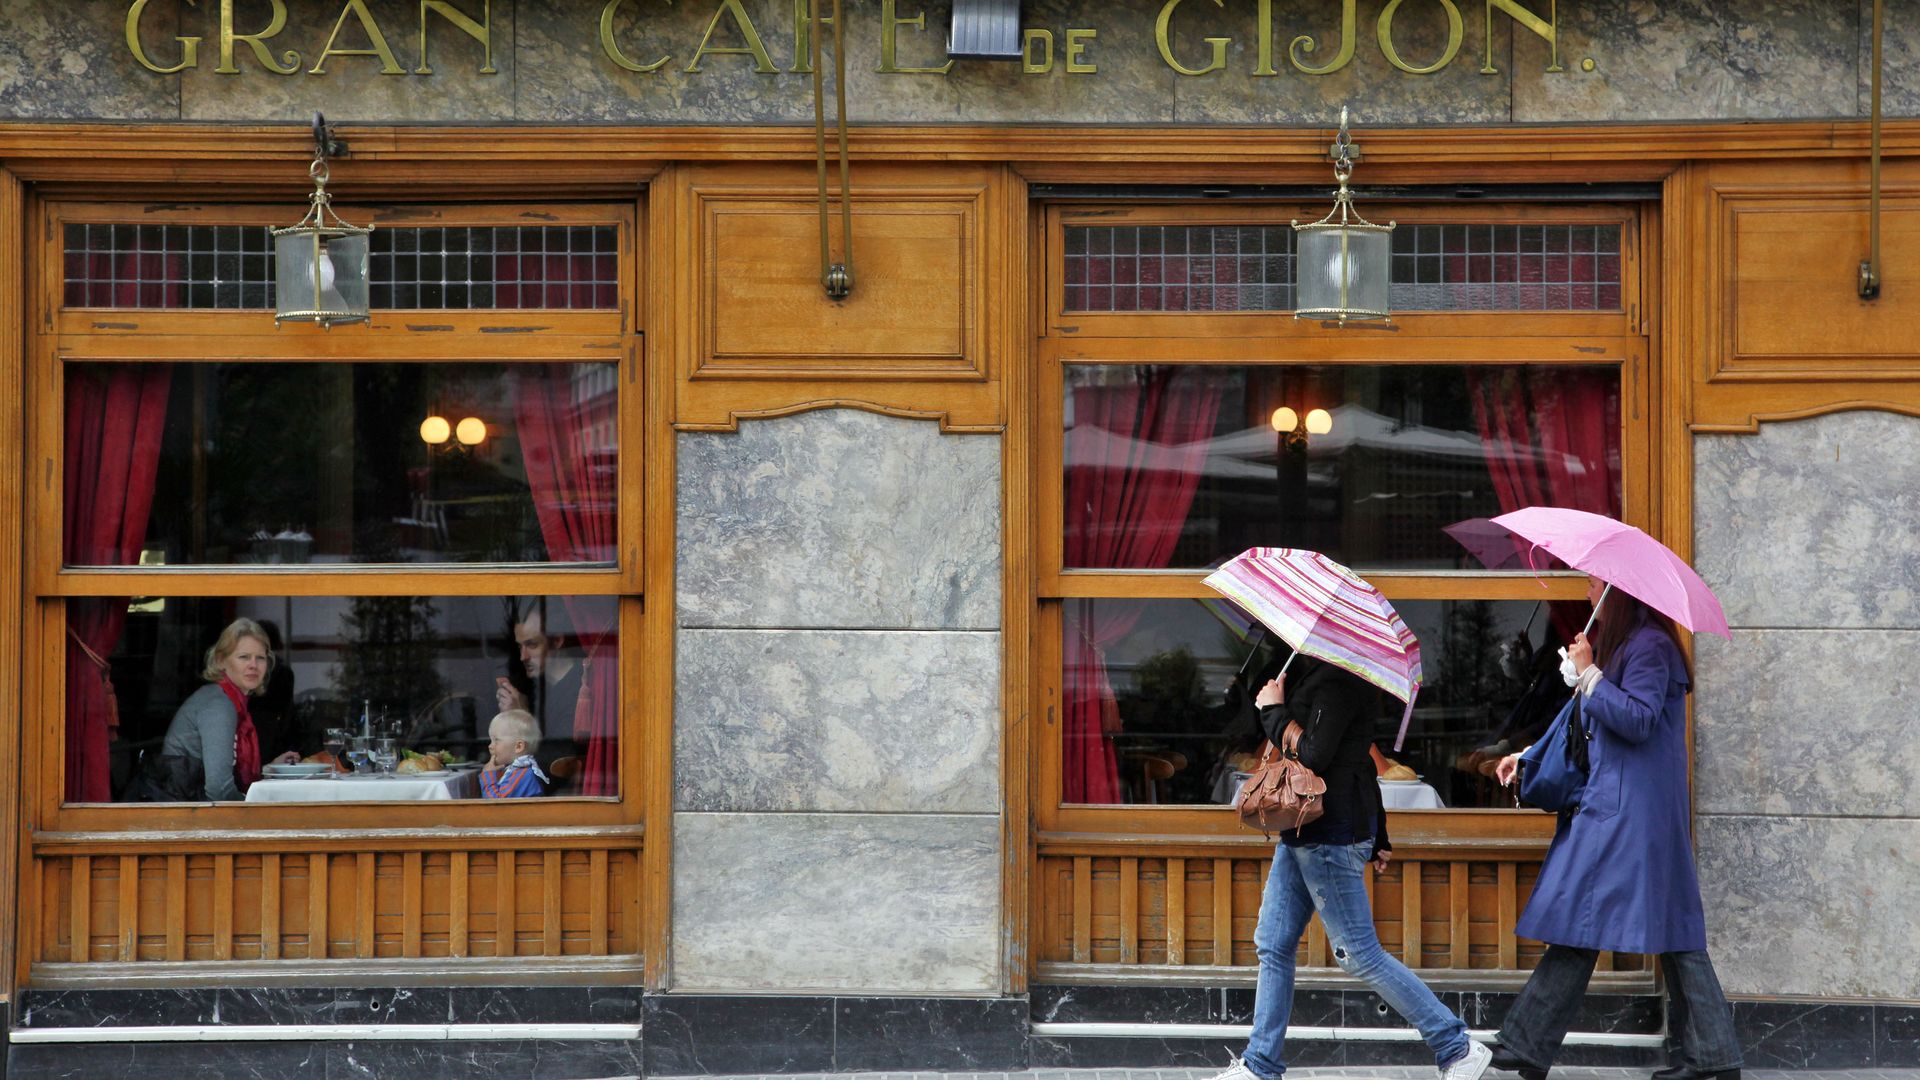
(1808,722)
(1899,63)
(1812,907)
(839,518)
(1692,60)
(1812,523)
(878,721)
(70,61)
(881,903)
(351,88)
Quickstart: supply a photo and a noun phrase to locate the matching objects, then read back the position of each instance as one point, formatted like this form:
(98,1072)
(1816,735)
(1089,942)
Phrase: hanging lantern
(320,264)
(1344,260)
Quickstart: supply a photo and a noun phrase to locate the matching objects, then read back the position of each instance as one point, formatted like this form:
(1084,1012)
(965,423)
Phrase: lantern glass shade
(435,430)
(1344,271)
(320,275)
(471,431)
(1285,419)
(1319,422)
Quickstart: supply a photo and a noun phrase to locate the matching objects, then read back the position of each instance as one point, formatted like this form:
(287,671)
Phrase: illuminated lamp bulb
(435,430)
(1285,419)
(471,431)
(1319,422)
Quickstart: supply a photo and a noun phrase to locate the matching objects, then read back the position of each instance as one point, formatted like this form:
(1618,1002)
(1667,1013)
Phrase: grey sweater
(203,729)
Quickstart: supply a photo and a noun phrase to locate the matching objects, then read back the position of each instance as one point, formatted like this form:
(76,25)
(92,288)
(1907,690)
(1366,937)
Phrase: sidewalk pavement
(1356,1072)
(1343,1073)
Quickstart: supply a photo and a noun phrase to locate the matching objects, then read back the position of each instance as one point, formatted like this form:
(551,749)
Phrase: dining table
(369,787)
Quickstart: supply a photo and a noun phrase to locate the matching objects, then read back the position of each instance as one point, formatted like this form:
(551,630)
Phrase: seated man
(555,669)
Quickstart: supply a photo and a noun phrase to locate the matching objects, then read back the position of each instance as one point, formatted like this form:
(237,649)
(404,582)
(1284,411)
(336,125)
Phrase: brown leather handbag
(1282,793)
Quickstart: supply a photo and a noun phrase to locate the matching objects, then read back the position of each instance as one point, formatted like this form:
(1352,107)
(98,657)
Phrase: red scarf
(246,740)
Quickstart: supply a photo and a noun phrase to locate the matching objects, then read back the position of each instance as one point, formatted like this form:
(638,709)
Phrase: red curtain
(114,419)
(1134,457)
(1552,438)
(572,477)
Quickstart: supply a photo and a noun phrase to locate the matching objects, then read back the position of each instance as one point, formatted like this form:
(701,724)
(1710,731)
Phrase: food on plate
(1399,772)
(325,758)
(414,763)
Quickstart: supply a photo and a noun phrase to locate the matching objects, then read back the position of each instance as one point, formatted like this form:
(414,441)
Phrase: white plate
(1385,781)
(295,772)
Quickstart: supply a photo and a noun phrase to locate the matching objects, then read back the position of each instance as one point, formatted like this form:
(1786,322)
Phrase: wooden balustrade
(142,900)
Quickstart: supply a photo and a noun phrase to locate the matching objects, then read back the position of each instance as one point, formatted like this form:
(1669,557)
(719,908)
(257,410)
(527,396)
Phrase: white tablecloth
(1408,795)
(433,786)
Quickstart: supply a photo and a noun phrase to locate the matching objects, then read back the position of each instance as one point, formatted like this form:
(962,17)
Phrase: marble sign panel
(65,61)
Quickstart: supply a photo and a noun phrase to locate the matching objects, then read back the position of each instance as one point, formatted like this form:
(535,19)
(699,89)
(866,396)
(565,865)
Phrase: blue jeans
(1328,877)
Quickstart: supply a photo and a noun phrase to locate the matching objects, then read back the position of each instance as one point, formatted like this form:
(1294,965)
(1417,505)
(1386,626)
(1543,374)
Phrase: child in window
(512,738)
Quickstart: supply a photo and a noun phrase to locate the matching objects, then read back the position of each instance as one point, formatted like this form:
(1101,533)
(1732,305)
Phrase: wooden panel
(1098,910)
(131,900)
(1792,281)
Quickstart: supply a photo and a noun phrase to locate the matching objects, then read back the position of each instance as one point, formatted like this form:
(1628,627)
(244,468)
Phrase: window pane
(339,463)
(429,672)
(408,267)
(1179,466)
(1148,717)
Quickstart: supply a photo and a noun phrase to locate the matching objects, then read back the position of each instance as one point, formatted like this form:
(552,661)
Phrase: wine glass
(385,754)
(335,743)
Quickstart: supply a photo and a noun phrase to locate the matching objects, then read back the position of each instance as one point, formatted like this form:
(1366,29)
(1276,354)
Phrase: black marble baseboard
(1612,1013)
(690,1034)
(528,1060)
(1815,1035)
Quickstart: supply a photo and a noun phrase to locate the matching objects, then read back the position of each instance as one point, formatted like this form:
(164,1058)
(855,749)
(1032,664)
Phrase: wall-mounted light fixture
(1344,260)
(320,264)
(1294,428)
(437,431)
(984,30)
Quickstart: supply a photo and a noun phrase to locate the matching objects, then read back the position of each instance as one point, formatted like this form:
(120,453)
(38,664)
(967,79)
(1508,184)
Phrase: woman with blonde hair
(211,750)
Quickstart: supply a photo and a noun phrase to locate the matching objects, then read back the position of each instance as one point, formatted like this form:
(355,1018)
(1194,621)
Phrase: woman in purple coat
(1619,876)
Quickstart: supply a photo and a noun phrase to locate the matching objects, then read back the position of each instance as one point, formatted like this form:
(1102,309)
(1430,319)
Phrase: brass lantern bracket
(1870,266)
(835,277)
(325,145)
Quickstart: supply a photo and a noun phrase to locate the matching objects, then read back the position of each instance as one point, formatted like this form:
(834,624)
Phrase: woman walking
(1321,867)
(1619,875)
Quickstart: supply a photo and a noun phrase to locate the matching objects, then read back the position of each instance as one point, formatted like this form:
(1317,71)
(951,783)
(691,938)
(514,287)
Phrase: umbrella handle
(1597,607)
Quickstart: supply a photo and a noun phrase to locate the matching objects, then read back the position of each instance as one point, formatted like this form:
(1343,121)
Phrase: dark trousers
(1698,1017)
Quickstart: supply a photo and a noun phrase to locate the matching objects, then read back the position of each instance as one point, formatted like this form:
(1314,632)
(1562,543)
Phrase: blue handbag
(1553,771)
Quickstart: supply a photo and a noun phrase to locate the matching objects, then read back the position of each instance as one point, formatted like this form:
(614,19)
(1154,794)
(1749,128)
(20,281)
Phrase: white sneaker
(1238,1071)
(1470,1064)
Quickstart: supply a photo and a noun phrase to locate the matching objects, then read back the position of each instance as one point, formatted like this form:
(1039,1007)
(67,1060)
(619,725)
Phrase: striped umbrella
(1323,609)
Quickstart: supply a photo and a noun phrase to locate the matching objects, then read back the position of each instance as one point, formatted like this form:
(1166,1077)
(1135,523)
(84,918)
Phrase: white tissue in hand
(1566,669)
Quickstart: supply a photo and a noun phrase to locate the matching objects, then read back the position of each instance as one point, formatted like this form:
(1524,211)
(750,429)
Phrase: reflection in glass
(202,464)
(1181,466)
(1153,715)
(429,672)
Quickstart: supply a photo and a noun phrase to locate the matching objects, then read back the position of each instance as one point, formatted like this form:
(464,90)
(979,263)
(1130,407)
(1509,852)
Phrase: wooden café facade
(859,617)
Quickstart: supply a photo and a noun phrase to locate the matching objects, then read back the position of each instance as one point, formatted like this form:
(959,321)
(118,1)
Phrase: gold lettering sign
(727,21)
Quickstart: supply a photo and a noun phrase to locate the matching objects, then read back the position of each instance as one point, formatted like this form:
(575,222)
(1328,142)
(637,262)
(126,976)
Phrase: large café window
(426,537)
(1171,352)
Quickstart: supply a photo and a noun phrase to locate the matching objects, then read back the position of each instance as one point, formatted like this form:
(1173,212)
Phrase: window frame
(64,336)
(1237,339)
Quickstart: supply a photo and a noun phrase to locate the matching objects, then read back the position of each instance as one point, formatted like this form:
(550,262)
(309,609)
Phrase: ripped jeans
(1328,877)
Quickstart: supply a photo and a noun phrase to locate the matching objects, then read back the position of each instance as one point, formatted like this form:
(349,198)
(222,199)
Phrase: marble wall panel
(70,61)
(355,89)
(839,518)
(1692,60)
(1899,64)
(1812,907)
(1811,522)
(838,902)
(801,720)
(1807,722)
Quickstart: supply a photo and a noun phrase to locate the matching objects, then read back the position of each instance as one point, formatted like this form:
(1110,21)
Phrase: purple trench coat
(1620,875)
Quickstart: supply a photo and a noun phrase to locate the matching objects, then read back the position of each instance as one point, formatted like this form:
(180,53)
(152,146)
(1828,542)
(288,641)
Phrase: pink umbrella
(1624,558)
(1323,609)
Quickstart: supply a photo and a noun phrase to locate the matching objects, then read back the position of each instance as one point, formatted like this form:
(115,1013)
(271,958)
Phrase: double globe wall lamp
(320,264)
(1294,428)
(470,432)
(1344,260)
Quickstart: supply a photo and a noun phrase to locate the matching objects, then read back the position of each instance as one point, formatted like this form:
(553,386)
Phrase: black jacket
(1336,713)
